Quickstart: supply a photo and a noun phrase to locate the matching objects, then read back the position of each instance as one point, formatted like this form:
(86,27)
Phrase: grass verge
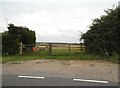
(59,55)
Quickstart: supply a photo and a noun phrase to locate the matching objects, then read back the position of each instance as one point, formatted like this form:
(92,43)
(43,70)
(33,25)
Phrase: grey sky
(54,20)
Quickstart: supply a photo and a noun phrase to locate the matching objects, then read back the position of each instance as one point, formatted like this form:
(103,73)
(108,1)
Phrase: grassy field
(60,54)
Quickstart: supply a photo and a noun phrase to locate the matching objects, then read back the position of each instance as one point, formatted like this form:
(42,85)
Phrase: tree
(104,34)
(11,39)
(24,35)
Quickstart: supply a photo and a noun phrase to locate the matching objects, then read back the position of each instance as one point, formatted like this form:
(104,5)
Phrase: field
(59,53)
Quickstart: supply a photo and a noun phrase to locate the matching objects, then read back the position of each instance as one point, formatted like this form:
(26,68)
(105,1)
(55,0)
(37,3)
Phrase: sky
(53,20)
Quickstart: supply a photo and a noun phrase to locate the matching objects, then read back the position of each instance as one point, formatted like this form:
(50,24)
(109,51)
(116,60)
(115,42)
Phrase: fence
(50,47)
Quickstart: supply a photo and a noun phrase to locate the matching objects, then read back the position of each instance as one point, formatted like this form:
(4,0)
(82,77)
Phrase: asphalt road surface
(14,80)
(60,73)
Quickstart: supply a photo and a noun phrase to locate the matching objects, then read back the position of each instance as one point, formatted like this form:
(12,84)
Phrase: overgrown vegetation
(104,35)
(11,39)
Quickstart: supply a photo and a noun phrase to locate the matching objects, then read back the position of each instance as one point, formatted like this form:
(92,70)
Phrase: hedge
(11,39)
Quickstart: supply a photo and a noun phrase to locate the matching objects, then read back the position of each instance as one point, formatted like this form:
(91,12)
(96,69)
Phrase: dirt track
(64,68)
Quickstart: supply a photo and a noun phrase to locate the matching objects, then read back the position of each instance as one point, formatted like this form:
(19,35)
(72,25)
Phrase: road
(14,80)
(60,73)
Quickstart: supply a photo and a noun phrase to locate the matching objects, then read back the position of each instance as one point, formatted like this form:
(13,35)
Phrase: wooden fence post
(50,49)
(81,47)
(69,47)
(20,48)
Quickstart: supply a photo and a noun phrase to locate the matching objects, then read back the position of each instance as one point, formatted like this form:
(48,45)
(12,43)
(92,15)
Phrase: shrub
(11,39)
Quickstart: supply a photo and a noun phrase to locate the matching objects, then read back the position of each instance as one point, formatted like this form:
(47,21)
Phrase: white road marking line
(90,80)
(35,77)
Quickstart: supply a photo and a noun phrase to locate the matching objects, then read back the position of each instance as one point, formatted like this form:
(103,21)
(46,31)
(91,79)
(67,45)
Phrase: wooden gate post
(20,48)
(50,49)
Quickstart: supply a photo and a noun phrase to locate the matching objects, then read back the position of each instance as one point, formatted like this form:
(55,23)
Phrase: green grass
(60,54)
